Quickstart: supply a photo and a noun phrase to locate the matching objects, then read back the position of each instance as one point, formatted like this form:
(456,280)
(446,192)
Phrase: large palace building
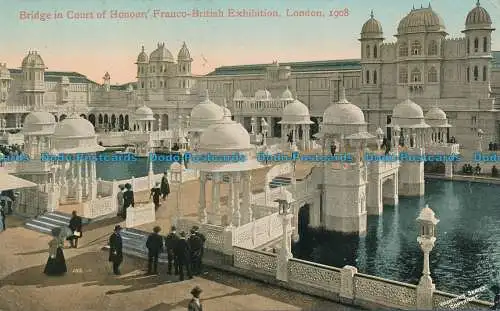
(460,75)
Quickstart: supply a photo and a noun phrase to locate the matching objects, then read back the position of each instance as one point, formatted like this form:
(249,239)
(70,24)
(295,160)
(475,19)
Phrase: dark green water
(126,169)
(467,251)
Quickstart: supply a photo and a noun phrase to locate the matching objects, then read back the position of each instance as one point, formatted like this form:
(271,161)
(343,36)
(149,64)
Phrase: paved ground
(89,284)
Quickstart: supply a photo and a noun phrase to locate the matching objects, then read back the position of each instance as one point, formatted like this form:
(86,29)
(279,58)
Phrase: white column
(303,141)
(86,178)
(230,201)
(79,188)
(93,172)
(246,214)
(294,134)
(215,198)
(237,212)
(283,134)
(202,210)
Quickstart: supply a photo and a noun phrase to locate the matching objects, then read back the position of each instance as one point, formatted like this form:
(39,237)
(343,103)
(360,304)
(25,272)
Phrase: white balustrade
(140,215)
(101,206)
(258,232)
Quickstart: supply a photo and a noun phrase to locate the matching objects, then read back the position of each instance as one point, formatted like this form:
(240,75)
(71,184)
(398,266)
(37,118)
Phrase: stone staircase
(134,244)
(46,222)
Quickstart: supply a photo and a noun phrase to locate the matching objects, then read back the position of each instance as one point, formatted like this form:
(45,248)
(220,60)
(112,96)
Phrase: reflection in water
(120,170)
(467,251)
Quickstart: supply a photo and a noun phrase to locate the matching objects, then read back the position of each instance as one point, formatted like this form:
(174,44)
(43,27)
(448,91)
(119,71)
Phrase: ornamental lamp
(427,221)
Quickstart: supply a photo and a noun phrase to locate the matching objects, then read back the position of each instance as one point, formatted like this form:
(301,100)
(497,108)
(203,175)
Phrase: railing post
(347,286)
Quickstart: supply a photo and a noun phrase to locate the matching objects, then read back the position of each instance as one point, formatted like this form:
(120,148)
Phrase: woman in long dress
(56,264)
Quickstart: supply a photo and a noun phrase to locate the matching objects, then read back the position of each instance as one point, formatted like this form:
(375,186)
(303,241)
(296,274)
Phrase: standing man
(116,249)
(182,254)
(75,225)
(170,243)
(195,304)
(119,199)
(154,244)
(128,199)
(196,246)
(165,186)
(203,240)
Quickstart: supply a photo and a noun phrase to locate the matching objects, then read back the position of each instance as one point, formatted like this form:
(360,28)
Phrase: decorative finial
(408,93)
(371,14)
(478,3)
(430,5)
(73,111)
(413,8)
(421,6)
(224,103)
(343,98)
(142,48)
(207,97)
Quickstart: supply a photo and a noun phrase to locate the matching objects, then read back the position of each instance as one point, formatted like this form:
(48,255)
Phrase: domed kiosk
(75,145)
(144,118)
(225,155)
(38,127)
(202,116)
(295,122)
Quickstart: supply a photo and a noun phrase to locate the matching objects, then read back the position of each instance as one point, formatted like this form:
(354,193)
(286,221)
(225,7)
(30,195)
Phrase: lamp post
(295,151)
(397,133)
(427,222)
(480,134)
(380,138)
(177,171)
(253,124)
(285,253)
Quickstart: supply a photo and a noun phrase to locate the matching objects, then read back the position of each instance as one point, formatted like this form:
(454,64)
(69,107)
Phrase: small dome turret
(142,57)
(421,20)
(144,113)
(372,29)
(184,54)
(238,95)
(287,95)
(263,95)
(478,18)
(205,114)
(33,60)
(343,113)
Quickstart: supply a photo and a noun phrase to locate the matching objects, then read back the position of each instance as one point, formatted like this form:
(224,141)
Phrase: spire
(207,96)
(142,49)
(343,99)
(413,8)
(421,6)
(429,5)
(407,93)
(478,3)
(371,14)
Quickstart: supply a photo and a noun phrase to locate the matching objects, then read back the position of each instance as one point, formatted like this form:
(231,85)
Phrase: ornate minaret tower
(142,72)
(5,80)
(184,61)
(478,50)
(33,84)
(371,61)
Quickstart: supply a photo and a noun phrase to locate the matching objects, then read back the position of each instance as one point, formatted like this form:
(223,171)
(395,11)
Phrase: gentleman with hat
(182,256)
(116,249)
(195,304)
(196,246)
(170,243)
(154,244)
(165,186)
(203,240)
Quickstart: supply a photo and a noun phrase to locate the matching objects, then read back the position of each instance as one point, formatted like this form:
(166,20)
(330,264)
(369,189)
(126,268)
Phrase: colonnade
(305,142)
(36,144)
(237,212)
(76,179)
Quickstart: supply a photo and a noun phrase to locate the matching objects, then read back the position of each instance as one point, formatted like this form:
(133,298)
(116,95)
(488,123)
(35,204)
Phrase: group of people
(492,146)
(467,169)
(160,190)
(7,198)
(184,252)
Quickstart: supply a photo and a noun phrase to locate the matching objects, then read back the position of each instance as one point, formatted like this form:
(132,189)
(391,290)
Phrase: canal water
(467,251)
(120,170)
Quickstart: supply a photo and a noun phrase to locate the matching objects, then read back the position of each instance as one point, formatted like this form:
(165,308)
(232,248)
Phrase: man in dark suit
(128,199)
(195,304)
(165,186)
(154,244)
(170,243)
(75,225)
(203,240)
(182,257)
(195,245)
(116,249)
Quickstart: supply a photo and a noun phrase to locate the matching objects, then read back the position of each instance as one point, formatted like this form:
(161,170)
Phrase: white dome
(296,113)
(408,110)
(343,113)
(142,57)
(184,54)
(263,95)
(238,95)
(74,127)
(287,95)
(33,59)
(161,54)
(39,122)
(205,114)
(436,117)
(226,135)
(144,113)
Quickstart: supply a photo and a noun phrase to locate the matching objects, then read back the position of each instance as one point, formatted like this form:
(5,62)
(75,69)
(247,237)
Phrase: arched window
(432,75)
(374,77)
(403,49)
(433,48)
(161,83)
(468,74)
(476,45)
(403,75)
(476,73)
(485,73)
(142,85)
(367,51)
(416,48)
(416,76)
(367,76)
(485,44)
(468,46)
(184,68)
(375,52)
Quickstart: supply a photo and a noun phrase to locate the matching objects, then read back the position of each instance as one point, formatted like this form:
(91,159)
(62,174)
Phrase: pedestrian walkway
(89,284)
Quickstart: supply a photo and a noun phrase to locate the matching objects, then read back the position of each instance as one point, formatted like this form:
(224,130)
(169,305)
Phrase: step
(44,224)
(38,228)
(54,221)
(60,216)
(67,216)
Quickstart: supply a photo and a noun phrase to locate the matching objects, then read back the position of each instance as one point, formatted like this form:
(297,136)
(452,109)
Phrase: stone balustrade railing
(342,284)
(100,206)
(140,215)
(259,232)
